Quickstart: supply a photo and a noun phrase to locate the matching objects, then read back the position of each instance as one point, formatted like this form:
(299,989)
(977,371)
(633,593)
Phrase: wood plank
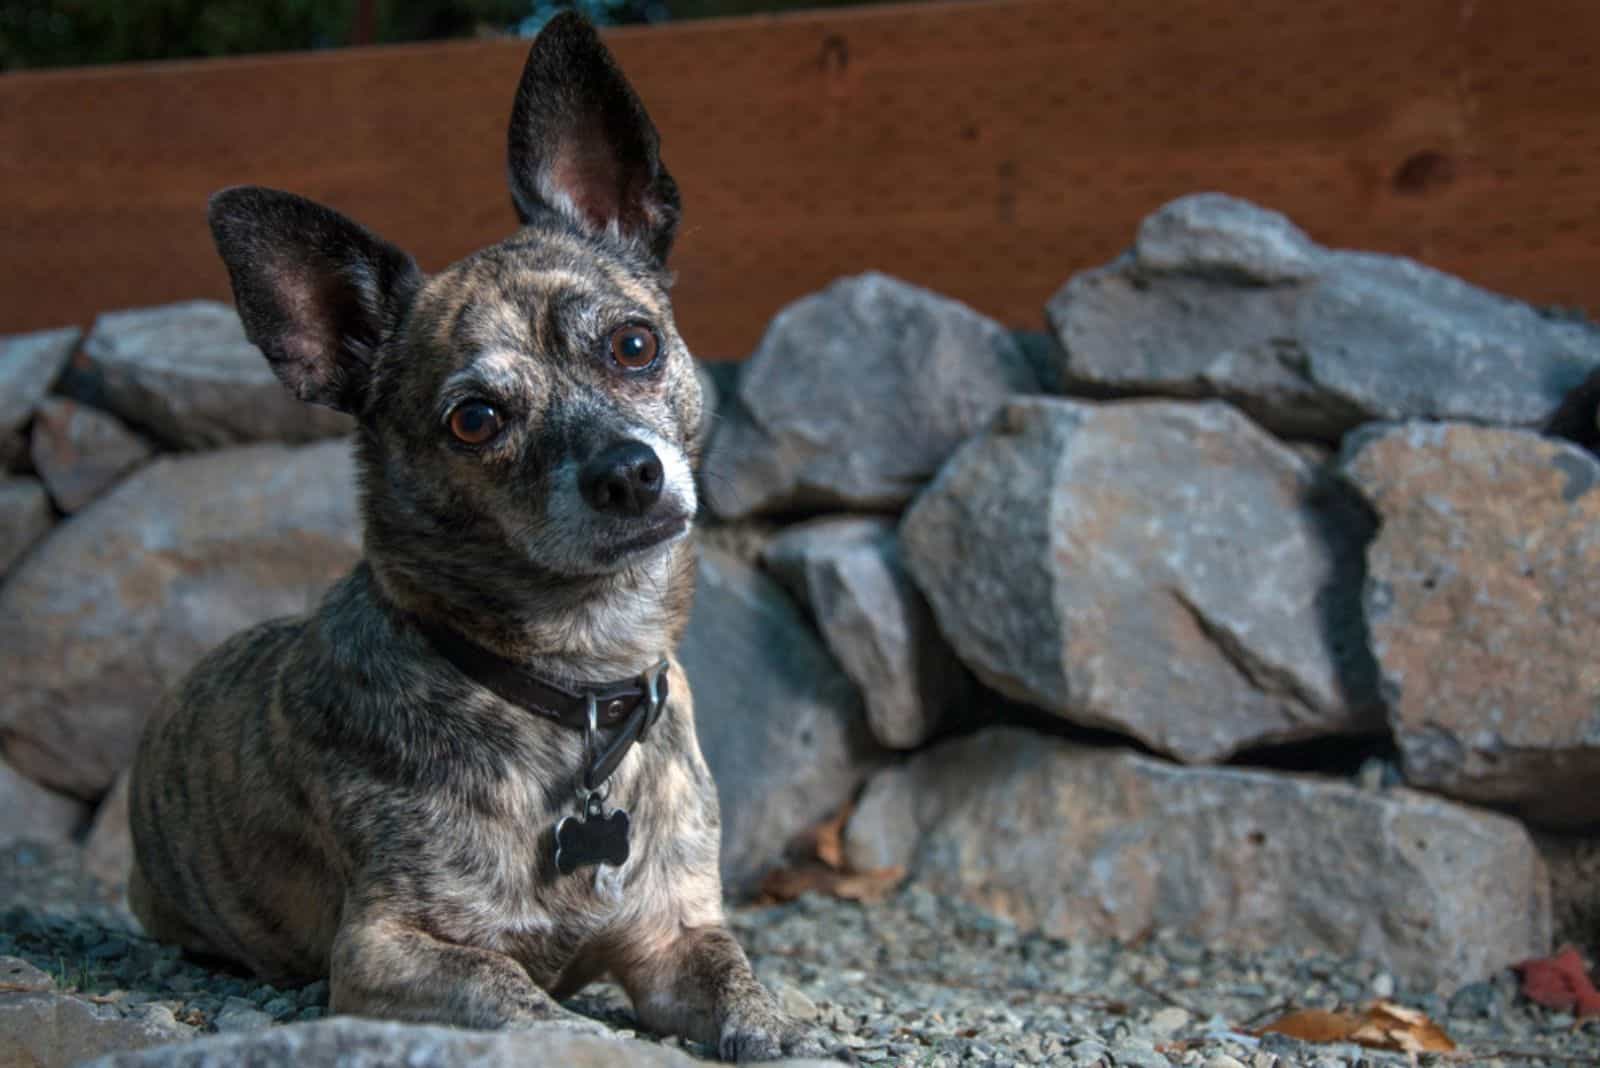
(984,149)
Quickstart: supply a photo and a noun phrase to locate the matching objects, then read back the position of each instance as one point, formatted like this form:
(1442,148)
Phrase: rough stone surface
(13,451)
(24,517)
(29,365)
(855,396)
(186,375)
(80,452)
(916,980)
(1574,864)
(346,1042)
(20,977)
(780,725)
(1484,607)
(1220,298)
(1076,840)
(848,573)
(47,1029)
(112,610)
(1165,570)
(29,811)
(710,397)
(108,850)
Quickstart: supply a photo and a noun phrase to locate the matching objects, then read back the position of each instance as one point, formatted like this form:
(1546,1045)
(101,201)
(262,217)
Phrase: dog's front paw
(761,1033)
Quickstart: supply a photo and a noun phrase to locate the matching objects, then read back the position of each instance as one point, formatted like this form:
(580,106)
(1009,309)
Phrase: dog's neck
(577,630)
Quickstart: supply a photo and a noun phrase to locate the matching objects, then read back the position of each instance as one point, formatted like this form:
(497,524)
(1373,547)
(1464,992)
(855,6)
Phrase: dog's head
(530,410)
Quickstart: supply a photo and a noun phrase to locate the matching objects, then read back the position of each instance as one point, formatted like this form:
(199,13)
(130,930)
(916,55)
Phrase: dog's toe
(769,1037)
(744,1044)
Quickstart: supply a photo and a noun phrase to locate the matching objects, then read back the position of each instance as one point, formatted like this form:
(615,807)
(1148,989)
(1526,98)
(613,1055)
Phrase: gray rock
(80,452)
(780,725)
(848,573)
(29,811)
(855,396)
(108,850)
(44,1029)
(24,517)
(241,1018)
(1574,863)
(186,375)
(1484,606)
(347,1042)
(1161,569)
(18,976)
(13,451)
(1079,841)
(29,366)
(111,612)
(710,397)
(1220,298)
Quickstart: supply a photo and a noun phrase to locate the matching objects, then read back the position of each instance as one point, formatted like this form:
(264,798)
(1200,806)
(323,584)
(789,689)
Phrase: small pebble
(234,1020)
(1222,1060)
(1383,985)
(1169,1021)
(279,1008)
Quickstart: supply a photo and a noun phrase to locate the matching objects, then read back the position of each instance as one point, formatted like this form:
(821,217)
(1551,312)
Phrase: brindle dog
(351,794)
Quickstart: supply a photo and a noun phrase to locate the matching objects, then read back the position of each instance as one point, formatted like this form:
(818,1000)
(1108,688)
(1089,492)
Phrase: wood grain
(987,150)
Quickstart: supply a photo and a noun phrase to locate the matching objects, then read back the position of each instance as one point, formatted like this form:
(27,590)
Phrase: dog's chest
(504,891)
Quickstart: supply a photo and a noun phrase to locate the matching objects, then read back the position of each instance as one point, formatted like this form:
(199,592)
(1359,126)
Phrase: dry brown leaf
(1314,1025)
(786,884)
(1383,1025)
(830,837)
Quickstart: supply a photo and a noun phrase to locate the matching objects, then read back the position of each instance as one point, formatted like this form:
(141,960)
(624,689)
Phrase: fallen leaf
(830,837)
(1382,1025)
(786,884)
(1560,982)
(1314,1025)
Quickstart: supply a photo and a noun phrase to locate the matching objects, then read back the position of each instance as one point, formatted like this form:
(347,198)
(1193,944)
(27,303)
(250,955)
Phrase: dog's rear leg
(698,983)
(382,966)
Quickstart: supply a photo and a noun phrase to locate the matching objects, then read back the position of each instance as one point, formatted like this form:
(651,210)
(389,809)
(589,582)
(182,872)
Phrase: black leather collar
(630,707)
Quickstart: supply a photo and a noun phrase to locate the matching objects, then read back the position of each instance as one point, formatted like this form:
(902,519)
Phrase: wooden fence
(984,149)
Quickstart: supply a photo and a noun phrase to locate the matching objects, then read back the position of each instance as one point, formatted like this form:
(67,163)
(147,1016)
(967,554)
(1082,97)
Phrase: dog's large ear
(582,145)
(317,292)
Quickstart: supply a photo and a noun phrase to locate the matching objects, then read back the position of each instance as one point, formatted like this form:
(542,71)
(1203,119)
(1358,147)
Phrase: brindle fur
(328,796)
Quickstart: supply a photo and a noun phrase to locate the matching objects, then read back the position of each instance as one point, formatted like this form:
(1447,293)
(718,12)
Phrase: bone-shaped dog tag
(596,837)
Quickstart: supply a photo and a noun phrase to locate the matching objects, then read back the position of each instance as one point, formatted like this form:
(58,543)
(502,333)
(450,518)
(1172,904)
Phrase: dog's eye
(634,346)
(474,422)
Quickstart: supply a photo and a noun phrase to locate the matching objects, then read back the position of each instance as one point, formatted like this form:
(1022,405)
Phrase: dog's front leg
(697,982)
(385,967)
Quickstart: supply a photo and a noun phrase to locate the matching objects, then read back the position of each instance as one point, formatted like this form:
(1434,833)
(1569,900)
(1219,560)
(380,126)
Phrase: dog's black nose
(623,480)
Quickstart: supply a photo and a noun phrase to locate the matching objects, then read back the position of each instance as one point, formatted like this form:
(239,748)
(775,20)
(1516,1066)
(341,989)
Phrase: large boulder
(108,847)
(1165,570)
(1484,605)
(187,375)
(780,725)
(110,612)
(1220,298)
(1076,840)
(30,812)
(855,396)
(848,574)
(29,366)
(348,1042)
(24,517)
(80,452)
(44,1028)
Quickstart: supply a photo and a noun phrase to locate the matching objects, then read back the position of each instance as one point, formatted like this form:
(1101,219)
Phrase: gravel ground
(914,980)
